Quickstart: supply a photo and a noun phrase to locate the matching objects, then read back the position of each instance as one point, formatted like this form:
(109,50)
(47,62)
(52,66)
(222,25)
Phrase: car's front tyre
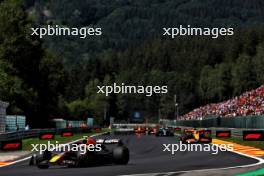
(121,155)
(42,161)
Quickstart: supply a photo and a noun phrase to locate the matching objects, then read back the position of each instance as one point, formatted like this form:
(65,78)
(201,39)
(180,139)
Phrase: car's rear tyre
(43,165)
(32,160)
(121,155)
(42,161)
(80,160)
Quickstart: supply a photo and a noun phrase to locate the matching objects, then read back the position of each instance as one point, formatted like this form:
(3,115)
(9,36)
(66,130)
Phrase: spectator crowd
(249,103)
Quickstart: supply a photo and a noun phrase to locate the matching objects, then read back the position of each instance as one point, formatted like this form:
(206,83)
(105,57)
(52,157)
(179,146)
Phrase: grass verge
(239,140)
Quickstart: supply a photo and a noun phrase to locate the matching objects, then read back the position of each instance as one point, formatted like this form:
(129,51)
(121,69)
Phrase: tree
(33,77)
(258,63)
(243,76)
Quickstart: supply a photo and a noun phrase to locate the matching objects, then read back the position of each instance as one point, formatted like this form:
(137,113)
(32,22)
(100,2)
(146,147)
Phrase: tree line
(57,77)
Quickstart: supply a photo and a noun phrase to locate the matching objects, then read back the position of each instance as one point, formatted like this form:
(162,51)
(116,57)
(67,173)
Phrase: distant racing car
(196,136)
(164,132)
(140,130)
(152,130)
(116,155)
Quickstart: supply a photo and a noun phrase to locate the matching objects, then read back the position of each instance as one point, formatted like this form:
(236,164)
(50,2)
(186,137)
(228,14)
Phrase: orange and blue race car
(196,136)
(140,130)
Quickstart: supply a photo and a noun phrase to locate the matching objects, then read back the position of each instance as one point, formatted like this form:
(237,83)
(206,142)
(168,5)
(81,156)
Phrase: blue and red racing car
(118,154)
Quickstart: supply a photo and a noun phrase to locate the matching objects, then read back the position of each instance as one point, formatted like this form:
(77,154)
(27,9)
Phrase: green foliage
(30,77)
(93,105)
(62,79)
(243,74)
(215,82)
(258,64)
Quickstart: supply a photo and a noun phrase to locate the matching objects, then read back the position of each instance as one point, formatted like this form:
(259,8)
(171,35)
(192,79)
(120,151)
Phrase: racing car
(152,130)
(164,132)
(117,155)
(196,136)
(140,130)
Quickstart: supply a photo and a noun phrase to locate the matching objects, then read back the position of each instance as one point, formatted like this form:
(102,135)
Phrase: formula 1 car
(140,130)
(117,155)
(152,130)
(196,136)
(164,132)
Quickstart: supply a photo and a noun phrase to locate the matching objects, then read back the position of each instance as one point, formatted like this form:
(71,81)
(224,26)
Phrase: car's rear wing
(108,141)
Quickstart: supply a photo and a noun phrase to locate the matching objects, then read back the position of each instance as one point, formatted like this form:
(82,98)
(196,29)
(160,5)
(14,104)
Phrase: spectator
(249,103)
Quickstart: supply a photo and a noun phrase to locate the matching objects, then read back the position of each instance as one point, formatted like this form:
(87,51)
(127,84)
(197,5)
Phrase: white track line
(27,158)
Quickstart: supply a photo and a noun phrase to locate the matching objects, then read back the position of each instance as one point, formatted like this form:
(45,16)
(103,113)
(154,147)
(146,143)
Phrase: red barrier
(66,134)
(46,136)
(11,145)
(257,135)
(223,134)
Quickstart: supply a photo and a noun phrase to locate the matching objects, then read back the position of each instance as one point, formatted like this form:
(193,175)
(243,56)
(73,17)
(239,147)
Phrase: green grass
(179,132)
(239,140)
(27,143)
(258,172)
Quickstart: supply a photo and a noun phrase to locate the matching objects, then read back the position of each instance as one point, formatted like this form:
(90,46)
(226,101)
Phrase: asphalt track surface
(146,156)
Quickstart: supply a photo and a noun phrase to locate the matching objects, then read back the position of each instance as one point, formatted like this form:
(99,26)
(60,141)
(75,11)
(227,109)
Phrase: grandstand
(248,104)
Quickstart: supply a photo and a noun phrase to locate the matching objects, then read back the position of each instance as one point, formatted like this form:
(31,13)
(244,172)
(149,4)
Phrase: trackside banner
(66,134)
(253,135)
(47,136)
(223,134)
(177,129)
(11,145)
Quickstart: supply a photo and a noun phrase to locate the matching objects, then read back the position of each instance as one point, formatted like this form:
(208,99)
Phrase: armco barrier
(19,135)
(35,133)
(132,125)
(253,122)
